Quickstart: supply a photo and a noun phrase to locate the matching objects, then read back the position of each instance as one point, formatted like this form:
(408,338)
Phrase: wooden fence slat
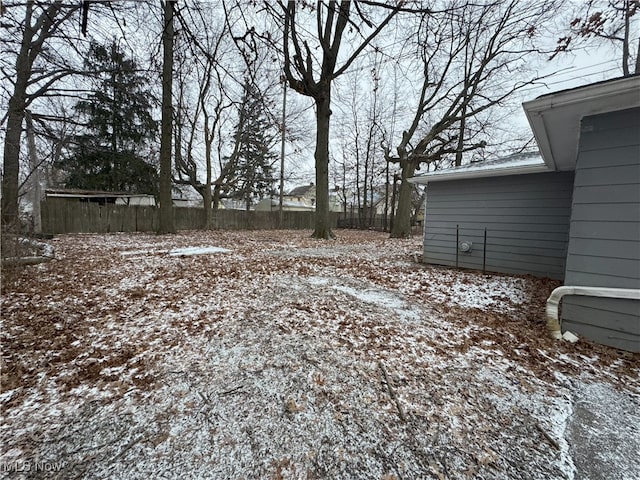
(66,216)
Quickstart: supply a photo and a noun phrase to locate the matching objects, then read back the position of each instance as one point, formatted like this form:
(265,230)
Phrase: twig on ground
(392,392)
(128,447)
(550,439)
(232,391)
(25,260)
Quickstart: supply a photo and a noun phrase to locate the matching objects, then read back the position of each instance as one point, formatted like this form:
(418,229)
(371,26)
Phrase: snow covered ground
(264,354)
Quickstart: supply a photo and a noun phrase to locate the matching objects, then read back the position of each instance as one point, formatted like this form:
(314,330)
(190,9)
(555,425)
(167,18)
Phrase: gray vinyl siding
(604,242)
(526,217)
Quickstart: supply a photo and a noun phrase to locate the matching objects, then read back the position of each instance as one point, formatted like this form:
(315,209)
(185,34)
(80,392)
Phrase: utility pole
(284,110)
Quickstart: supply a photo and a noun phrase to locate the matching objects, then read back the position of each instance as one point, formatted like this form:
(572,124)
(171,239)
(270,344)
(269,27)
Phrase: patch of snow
(381,298)
(43,248)
(318,280)
(131,253)
(187,251)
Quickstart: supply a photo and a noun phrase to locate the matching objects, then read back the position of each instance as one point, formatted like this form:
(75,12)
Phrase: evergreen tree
(110,155)
(252,158)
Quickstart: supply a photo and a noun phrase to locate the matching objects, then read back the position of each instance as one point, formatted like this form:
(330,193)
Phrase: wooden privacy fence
(64,216)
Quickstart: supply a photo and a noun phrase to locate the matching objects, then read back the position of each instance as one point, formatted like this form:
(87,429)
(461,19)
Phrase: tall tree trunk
(166,224)
(368,180)
(385,221)
(365,191)
(282,145)
(323,114)
(207,186)
(394,195)
(402,221)
(358,192)
(11,166)
(15,117)
(215,198)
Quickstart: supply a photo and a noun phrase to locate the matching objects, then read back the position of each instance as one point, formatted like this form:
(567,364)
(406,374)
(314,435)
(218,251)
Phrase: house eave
(480,173)
(555,118)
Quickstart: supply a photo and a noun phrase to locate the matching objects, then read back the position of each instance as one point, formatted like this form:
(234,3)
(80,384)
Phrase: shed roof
(79,193)
(516,164)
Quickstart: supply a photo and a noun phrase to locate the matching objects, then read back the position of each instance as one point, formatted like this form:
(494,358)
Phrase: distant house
(185,196)
(232,204)
(571,212)
(288,204)
(304,193)
(300,199)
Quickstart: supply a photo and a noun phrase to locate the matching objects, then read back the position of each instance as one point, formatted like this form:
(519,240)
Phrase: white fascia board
(555,118)
(615,89)
(539,128)
(480,173)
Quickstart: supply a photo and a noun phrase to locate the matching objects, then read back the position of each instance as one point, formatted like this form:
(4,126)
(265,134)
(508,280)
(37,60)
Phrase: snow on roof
(303,190)
(516,164)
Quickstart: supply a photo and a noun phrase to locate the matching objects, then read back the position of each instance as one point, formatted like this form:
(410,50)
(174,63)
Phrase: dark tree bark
(37,30)
(402,218)
(323,115)
(207,197)
(166,223)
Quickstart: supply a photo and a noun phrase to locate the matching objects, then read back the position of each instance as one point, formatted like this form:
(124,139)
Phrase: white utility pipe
(553,325)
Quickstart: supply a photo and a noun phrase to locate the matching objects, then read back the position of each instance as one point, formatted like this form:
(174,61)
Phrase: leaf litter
(259,355)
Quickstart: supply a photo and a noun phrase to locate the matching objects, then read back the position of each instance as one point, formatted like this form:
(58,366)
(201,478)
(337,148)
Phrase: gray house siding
(604,243)
(526,218)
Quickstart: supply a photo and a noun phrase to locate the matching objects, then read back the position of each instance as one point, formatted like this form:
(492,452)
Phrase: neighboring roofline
(92,194)
(555,118)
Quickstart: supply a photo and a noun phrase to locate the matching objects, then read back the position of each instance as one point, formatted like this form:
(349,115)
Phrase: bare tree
(203,45)
(312,76)
(360,133)
(166,220)
(41,22)
(611,21)
(221,65)
(474,58)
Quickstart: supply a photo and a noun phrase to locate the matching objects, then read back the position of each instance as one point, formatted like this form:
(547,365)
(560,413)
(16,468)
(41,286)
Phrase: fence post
(457,242)
(484,251)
